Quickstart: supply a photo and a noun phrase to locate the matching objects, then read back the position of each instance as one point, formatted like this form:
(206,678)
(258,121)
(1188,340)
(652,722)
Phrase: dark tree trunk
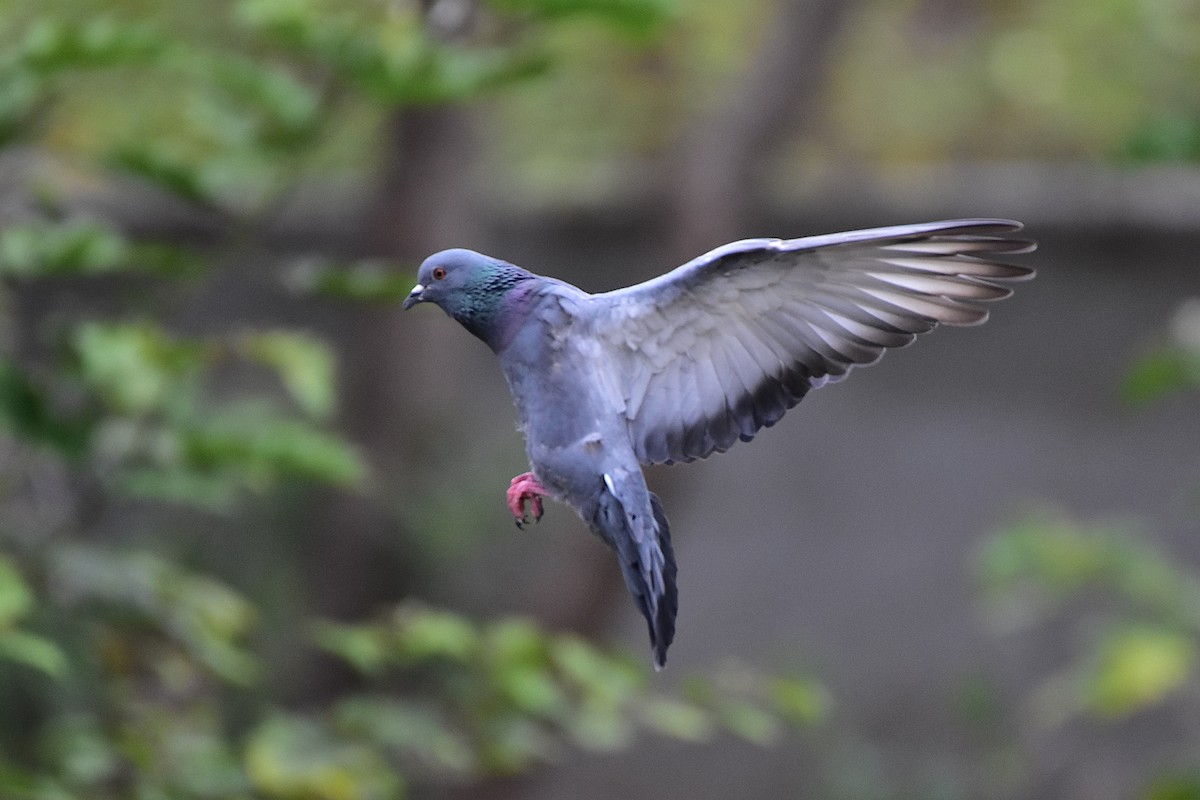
(356,563)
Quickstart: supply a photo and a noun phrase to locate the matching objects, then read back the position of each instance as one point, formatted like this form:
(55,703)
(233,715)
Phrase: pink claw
(525,488)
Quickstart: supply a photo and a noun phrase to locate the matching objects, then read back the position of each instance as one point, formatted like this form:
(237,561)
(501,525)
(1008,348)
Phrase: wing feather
(722,346)
(720,425)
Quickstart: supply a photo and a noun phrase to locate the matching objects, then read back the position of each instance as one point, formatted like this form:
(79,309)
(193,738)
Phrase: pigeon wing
(722,346)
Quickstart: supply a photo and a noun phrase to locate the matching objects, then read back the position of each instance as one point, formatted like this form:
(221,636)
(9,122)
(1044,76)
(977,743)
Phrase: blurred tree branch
(718,157)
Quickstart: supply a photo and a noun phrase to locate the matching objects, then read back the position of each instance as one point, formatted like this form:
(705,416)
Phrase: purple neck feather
(511,312)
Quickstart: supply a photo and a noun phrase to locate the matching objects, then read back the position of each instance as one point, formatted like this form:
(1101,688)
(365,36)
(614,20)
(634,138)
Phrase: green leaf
(215,491)
(750,722)
(604,679)
(516,640)
(208,619)
(295,757)
(39,249)
(192,756)
(425,634)
(135,367)
(600,726)
(211,461)
(22,91)
(25,412)
(677,719)
(364,647)
(262,446)
(800,701)
(55,45)
(1050,556)
(16,601)
(1048,549)
(305,365)
(513,744)
(33,651)
(77,247)
(79,751)
(1165,138)
(531,690)
(155,162)
(1163,371)
(285,109)
(15,597)
(212,620)
(370,280)
(389,56)
(415,731)
(637,17)
(1174,786)
(1138,667)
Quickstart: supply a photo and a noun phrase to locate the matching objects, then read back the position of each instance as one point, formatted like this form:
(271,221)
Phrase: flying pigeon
(686,364)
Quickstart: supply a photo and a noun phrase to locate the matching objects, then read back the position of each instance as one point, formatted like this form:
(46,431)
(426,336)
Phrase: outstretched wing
(722,346)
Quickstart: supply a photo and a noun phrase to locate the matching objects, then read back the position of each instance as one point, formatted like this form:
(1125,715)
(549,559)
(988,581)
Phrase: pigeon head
(472,288)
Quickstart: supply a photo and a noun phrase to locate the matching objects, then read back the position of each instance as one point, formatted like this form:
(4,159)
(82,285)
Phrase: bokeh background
(253,541)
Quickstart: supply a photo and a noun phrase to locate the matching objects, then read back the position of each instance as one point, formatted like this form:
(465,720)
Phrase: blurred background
(253,541)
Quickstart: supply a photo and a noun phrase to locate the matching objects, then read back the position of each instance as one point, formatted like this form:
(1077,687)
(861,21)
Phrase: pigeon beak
(417,295)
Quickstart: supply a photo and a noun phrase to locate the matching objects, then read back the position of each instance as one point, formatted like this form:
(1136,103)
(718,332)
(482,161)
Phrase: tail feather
(647,562)
(663,629)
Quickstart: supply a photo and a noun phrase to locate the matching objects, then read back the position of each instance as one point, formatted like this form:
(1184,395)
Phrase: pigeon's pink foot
(523,489)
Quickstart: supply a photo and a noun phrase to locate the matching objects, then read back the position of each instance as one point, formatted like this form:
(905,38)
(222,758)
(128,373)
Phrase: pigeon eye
(439,273)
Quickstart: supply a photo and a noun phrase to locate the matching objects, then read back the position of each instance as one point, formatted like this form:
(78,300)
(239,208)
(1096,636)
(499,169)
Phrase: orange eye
(439,273)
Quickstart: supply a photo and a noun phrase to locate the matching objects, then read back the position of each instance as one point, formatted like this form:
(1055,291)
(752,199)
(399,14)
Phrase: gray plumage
(688,363)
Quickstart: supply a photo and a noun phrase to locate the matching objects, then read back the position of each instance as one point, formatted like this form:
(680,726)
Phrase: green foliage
(1173,138)
(59,249)
(1172,365)
(505,695)
(368,281)
(136,714)
(16,602)
(296,757)
(136,368)
(156,438)
(1042,561)
(167,644)
(304,364)
(44,249)
(1142,644)
(637,17)
(1132,609)
(26,413)
(1163,371)
(385,53)
(1139,666)
(202,617)
(1174,787)
(52,47)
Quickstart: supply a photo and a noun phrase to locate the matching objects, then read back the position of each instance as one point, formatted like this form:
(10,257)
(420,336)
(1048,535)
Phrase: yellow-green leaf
(15,597)
(1139,667)
(304,363)
(34,651)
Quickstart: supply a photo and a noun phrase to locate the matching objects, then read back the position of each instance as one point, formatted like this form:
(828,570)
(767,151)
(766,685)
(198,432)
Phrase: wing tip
(993,224)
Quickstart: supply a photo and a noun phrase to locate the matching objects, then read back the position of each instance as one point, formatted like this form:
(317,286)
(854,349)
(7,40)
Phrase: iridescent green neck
(486,307)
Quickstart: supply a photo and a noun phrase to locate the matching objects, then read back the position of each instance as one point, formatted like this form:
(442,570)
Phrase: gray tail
(648,564)
(662,625)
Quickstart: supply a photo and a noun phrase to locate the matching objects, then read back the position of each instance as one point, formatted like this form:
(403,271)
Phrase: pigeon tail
(643,545)
(668,604)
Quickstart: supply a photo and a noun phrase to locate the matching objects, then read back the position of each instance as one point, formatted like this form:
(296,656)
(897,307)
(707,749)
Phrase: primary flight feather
(690,362)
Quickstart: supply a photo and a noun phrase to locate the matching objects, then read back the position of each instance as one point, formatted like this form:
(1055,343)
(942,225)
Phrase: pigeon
(686,364)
